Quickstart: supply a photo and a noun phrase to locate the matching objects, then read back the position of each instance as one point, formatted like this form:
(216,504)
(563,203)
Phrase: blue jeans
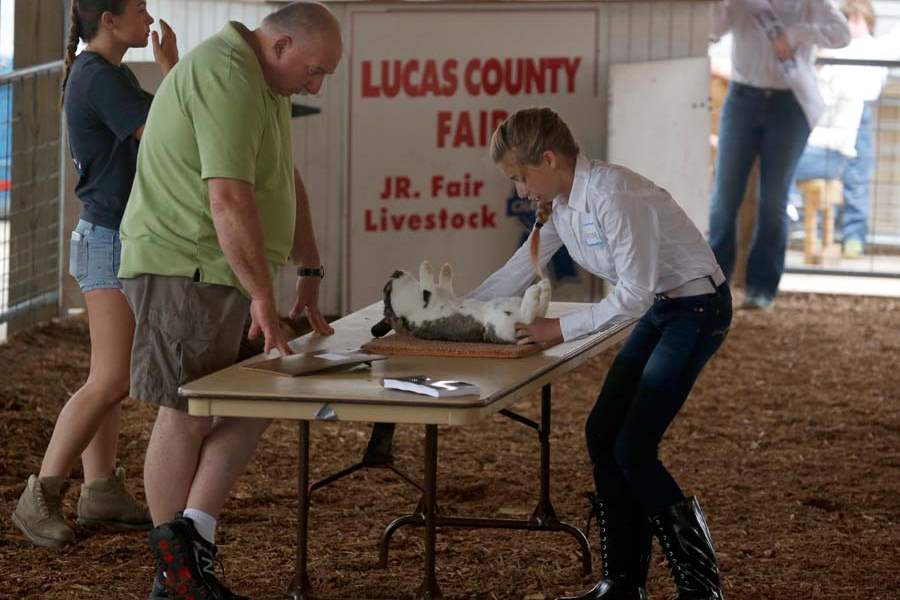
(817,163)
(645,388)
(821,163)
(769,124)
(857,177)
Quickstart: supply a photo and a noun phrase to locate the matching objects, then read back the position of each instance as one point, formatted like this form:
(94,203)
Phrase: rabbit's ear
(426,276)
(445,277)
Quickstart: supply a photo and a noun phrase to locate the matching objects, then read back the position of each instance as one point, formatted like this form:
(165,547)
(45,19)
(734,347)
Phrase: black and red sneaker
(158,591)
(186,561)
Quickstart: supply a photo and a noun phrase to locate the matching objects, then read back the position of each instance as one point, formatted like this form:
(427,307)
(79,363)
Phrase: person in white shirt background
(841,146)
(770,109)
(622,227)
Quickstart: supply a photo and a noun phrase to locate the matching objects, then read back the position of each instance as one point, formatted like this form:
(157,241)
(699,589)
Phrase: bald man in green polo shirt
(216,208)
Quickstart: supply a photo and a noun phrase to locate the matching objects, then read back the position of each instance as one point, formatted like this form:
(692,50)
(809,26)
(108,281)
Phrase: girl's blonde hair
(863,8)
(527,134)
(530,132)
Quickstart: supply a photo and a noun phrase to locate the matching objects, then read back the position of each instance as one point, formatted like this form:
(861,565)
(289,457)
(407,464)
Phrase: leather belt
(696,287)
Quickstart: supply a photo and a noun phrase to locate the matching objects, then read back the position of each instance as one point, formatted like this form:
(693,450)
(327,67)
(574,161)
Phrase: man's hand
(540,331)
(308,304)
(265,320)
(782,47)
(165,50)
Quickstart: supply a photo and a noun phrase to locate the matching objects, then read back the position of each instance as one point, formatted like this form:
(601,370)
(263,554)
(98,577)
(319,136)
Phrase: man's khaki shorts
(184,330)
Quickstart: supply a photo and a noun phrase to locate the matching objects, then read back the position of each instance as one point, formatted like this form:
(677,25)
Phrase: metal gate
(30,230)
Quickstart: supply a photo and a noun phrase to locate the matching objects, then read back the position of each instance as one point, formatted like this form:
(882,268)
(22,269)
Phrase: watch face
(311,272)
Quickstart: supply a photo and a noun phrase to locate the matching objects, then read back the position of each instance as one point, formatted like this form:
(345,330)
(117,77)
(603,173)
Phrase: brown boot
(107,502)
(38,514)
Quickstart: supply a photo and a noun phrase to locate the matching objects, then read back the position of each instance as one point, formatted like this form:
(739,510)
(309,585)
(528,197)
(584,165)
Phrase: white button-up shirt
(619,226)
(807,24)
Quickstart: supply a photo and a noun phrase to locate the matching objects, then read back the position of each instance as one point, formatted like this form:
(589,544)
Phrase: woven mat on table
(405,345)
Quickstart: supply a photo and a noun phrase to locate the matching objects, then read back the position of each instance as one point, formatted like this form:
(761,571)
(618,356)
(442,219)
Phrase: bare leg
(225,454)
(90,408)
(171,463)
(99,458)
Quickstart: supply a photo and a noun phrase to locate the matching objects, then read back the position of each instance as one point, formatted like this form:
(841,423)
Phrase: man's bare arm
(305,251)
(232,204)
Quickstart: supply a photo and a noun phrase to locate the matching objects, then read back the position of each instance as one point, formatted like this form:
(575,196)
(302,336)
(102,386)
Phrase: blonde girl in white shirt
(622,227)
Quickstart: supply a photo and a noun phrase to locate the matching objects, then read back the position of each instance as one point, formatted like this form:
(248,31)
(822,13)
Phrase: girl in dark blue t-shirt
(105,112)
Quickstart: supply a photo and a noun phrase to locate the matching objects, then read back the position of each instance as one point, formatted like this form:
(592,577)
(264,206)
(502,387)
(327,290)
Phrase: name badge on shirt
(589,234)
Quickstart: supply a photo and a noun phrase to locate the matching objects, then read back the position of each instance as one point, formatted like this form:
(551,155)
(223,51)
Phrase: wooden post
(746,225)
(833,196)
(820,195)
(812,200)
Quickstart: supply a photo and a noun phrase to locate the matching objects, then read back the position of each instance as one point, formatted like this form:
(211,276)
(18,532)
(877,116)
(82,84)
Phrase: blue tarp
(5,136)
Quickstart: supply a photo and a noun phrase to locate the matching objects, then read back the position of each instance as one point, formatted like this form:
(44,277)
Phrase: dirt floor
(791,439)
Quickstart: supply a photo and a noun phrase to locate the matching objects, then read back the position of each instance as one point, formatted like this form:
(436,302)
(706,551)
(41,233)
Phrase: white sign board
(659,127)
(427,90)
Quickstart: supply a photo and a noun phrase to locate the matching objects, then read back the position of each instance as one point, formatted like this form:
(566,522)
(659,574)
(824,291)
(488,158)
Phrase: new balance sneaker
(187,562)
(158,591)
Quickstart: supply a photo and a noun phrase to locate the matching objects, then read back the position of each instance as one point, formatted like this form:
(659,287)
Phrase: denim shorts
(94,257)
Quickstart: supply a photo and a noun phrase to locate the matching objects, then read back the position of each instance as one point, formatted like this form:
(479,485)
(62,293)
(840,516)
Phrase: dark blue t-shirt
(104,106)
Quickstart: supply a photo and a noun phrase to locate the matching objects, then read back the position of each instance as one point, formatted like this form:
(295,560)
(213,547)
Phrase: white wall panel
(627,32)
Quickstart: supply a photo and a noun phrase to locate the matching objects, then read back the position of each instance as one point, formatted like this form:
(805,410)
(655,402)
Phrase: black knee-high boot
(625,538)
(684,537)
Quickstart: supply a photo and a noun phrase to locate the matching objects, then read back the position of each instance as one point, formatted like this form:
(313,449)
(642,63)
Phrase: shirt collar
(232,35)
(578,196)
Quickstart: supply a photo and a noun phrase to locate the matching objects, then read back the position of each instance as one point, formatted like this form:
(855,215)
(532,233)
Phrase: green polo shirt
(213,116)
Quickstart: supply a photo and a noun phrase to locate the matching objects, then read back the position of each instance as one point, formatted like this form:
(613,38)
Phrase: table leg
(544,513)
(543,518)
(429,589)
(301,589)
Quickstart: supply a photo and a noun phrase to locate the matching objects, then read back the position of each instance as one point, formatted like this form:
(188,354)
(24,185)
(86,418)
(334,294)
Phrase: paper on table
(332,356)
(312,362)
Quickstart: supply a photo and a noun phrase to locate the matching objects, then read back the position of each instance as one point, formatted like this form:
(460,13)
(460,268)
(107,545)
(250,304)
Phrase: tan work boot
(107,502)
(39,512)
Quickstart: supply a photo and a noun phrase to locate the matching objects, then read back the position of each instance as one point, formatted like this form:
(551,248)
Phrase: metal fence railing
(30,198)
(874,213)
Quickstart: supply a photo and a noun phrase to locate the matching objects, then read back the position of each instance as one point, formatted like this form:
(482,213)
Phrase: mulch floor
(791,439)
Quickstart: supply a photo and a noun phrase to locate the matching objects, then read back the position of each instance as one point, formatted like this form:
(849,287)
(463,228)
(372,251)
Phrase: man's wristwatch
(311,272)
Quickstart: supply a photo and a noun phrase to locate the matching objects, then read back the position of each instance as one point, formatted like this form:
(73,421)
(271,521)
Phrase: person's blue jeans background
(857,182)
(821,163)
(769,124)
(817,163)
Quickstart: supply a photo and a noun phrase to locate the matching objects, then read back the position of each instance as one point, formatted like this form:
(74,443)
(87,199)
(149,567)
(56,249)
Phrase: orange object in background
(4,185)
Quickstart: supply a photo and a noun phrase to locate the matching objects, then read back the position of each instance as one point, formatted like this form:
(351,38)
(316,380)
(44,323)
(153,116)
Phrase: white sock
(205,523)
